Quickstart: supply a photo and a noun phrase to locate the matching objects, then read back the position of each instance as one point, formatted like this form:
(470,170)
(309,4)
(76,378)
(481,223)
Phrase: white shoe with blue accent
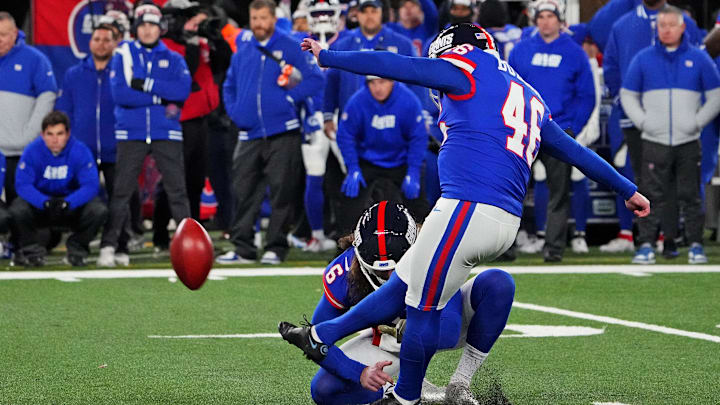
(232,258)
(644,255)
(696,255)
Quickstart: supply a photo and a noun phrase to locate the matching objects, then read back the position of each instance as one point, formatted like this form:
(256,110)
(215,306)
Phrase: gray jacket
(663,93)
(27,94)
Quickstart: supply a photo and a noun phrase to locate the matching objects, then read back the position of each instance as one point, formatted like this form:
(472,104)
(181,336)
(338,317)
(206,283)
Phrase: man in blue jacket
(663,94)
(558,68)
(263,106)
(382,138)
(149,83)
(370,35)
(57,184)
(27,94)
(87,101)
(635,30)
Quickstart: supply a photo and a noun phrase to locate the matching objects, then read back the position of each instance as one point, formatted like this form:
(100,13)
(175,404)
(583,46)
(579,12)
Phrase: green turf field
(88,341)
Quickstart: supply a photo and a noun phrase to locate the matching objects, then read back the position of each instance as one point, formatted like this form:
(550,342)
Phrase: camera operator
(194,33)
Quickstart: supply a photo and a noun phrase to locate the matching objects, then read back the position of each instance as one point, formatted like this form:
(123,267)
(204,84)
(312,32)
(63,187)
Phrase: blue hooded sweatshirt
(71,174)
(561,73)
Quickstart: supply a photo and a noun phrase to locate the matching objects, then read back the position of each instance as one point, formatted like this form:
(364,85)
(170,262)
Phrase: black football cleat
(301,337)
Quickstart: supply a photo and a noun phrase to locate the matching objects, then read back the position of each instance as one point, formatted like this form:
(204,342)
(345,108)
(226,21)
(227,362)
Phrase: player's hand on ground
(639,205)
(309,44)
(373,377)
(353,181)
(330,130)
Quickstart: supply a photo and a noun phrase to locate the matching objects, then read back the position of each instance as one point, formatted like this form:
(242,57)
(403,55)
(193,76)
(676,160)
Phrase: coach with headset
(149,84)
(260,97)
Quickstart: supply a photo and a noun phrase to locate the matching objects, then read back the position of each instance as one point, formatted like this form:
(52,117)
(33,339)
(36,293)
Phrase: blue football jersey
(335,280)
(491,135)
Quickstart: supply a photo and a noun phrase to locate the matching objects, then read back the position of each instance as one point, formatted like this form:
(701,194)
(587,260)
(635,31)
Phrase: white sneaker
(232,258)
(296,242)
(618,245)
(320,245)
(522,238)
(579,245)
(270,257)
(122,259)
(534,246)
(107,257)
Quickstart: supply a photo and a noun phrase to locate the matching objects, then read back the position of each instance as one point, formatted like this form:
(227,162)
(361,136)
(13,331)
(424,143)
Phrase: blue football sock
(420,341)
(542,196)
(378,308)
(314,201)
(580,203)
(491,298)
(327,389)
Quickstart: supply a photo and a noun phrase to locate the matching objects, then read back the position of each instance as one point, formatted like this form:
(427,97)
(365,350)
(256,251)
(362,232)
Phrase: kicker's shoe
(458,394)
(301,337)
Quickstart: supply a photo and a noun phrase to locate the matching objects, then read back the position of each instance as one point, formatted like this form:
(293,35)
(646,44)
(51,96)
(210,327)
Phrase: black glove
(56,206)
(137,84)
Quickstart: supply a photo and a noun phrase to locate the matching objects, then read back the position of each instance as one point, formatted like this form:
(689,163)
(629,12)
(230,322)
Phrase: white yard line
(232,336)
(221,273)
(616,321)
(524,331)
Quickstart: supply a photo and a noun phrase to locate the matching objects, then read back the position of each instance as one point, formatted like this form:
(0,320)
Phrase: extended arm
(561,146)
(433,73)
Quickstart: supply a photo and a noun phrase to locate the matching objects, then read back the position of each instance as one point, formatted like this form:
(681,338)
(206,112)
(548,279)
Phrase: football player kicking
(493,123)
(357,372)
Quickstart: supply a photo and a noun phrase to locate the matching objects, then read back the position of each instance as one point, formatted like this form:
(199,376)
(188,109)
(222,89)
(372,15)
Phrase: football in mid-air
(191,253)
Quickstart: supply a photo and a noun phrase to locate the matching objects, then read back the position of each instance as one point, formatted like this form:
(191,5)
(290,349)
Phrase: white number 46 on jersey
(513,112)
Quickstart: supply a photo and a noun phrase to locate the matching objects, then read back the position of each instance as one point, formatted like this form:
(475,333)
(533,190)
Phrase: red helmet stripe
(382,248)
(489,39)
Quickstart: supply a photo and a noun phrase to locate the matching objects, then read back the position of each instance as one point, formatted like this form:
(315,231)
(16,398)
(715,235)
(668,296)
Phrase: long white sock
(318,234)
(404,401)
(470,362)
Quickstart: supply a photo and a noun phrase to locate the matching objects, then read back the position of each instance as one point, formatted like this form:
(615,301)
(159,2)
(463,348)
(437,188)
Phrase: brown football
(191,253)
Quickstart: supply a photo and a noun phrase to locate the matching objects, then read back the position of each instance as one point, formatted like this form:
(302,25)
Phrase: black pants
(195,156)
(275,161)
(130,156)
(558,209)
(84,222)
(11,163)
(671,177)
(382,184)
(633,139)
(221,144)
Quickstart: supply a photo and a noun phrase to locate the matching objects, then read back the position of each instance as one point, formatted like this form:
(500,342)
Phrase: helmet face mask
(324,17)
(383,234)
